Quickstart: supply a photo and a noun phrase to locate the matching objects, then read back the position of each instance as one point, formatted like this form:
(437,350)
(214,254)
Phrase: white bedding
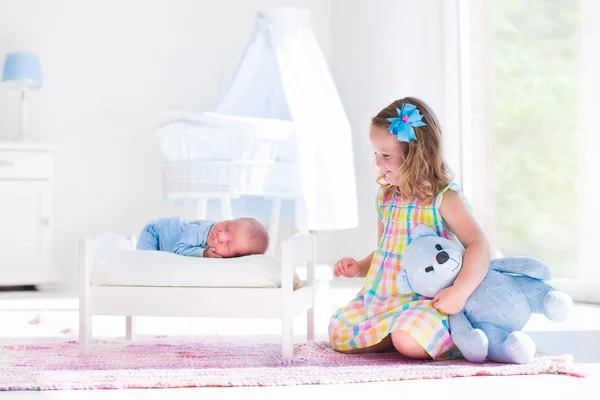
(158,268)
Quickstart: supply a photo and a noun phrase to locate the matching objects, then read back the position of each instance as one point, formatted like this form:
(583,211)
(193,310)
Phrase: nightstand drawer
(25,165)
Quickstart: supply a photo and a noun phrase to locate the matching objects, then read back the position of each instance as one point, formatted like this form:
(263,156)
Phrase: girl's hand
(347,267)
(210,253)
(450,300)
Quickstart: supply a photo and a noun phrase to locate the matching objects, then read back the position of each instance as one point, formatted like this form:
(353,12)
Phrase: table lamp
(22,71)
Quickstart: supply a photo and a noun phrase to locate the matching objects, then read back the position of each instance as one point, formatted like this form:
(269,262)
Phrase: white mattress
(158,268)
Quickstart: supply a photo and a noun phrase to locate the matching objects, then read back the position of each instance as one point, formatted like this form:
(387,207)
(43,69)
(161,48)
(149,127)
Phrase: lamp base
(23,115)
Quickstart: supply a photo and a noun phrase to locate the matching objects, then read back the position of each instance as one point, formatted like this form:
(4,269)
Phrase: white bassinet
(213,154)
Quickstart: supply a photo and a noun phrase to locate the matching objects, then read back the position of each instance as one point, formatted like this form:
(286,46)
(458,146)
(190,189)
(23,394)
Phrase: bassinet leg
(130,328)
(226,211)
(201,207)
(274,223)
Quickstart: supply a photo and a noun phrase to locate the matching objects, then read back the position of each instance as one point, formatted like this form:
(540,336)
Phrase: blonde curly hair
(424,172)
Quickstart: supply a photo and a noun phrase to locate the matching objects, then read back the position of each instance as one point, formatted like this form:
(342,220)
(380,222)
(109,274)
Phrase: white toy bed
(116,279)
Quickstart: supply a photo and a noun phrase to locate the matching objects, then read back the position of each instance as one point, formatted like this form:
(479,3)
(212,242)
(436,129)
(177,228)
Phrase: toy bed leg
(85,314)
(287,336)
(130,320)
(310,325)
(287,312)
(130,328)
(291,252)
(85,329)
(312,282)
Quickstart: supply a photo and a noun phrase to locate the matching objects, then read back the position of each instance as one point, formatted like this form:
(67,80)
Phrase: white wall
(382,50)
(110,67)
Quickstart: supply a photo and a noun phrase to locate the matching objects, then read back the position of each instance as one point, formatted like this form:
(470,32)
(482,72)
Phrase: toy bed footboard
(131,301)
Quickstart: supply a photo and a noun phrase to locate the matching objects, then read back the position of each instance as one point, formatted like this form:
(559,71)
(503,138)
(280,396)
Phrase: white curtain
(283,75)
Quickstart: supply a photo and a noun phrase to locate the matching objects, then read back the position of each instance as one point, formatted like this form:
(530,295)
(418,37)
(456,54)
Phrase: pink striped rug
(168,362)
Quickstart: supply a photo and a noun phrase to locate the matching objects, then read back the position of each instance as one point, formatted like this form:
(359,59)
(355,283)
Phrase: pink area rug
(161,362)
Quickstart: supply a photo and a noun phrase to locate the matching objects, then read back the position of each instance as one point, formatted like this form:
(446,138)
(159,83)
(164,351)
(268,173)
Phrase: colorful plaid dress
(378,309)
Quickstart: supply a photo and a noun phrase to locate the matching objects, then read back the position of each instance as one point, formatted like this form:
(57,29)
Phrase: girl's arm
(476,258)
(365,263)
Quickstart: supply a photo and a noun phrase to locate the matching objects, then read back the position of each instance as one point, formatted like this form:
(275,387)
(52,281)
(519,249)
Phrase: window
(530,149)
(536,131)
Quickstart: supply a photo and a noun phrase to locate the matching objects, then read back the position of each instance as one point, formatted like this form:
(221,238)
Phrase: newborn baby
(225,239)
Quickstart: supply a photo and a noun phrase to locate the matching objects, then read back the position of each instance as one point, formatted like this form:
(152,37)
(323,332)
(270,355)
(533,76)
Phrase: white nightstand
(26,214)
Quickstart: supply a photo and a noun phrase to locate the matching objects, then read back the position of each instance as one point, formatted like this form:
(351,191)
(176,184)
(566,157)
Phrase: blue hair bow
(402,127)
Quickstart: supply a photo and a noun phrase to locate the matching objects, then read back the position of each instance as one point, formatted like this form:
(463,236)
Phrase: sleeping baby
(225,239)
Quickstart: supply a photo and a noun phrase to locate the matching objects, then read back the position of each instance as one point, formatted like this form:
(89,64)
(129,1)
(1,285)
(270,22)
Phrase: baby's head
(238,237)
(411,166)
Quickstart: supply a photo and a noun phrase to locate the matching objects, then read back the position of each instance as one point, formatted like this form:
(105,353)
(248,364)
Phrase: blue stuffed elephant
(489,326)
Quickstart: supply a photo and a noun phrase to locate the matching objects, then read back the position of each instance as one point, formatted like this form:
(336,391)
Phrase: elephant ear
(402,283)
(421,231)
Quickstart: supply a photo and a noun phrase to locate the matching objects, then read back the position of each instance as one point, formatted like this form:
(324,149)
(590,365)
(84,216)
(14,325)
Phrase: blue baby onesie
(176,235)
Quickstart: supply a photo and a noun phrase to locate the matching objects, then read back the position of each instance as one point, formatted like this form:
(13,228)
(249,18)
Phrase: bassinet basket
(213,153)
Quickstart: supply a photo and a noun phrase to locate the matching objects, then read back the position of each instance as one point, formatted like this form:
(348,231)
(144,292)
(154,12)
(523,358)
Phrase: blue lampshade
(22,69)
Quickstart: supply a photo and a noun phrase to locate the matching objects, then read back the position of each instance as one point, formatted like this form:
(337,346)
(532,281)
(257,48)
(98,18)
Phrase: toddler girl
(415,188)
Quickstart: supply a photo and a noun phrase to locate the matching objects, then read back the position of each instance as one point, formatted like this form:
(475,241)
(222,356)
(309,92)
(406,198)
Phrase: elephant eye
(429,269)
(438,246)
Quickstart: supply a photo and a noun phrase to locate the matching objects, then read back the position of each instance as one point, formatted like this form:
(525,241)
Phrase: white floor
(56,313)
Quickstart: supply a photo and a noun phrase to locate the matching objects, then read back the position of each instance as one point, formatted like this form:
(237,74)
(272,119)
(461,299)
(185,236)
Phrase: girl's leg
(148,239)
(408,346)
(401,341)
(384,345)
